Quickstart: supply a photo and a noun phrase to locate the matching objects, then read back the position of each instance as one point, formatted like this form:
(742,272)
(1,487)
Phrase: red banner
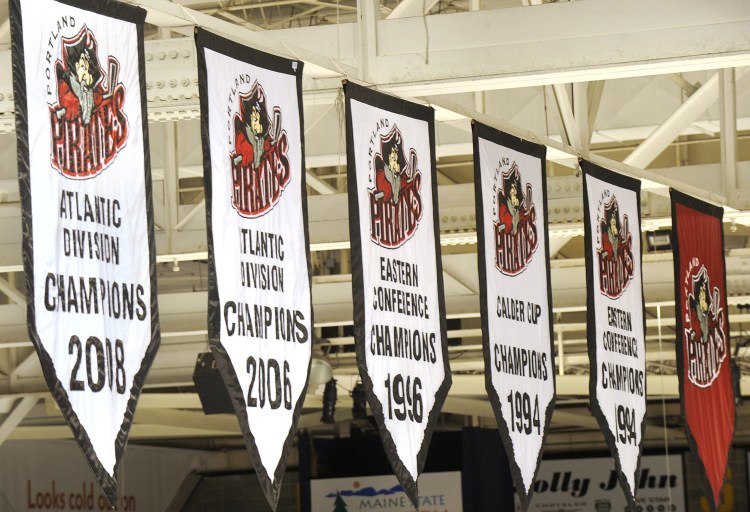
(703,352)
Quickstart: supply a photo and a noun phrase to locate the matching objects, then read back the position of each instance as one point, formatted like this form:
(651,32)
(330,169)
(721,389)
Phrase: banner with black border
(703,351)
(615,314)
(515,295)
(397,276)
(259,298)
(87,214)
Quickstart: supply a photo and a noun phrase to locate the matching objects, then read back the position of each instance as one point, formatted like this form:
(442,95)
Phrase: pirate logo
(395,201)
(516,237)
(704,334)
(616,264)
(88,124)
(260,164)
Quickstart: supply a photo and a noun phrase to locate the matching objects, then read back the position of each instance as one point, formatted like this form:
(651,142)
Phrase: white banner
(260,312)
(616,338)
(87,214)
(399,313)
(516,295)
(438,492)
(591,485)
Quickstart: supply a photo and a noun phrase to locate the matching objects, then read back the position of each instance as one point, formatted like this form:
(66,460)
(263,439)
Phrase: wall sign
(397,278)
(88,241)
(592,484)
(615,315)
(516,295)
(703,351)
(44,475)
(439,492)
(260,310)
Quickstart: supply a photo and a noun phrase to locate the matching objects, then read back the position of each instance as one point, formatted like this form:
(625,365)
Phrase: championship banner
(615,316)
(88,241)
(511,203)
(397,274)
(703,351)
(259,303)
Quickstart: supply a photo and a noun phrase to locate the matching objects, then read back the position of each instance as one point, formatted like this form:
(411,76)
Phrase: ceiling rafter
(683,117)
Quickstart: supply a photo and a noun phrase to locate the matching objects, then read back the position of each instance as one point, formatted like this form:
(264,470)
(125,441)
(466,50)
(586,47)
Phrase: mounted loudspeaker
(210,387)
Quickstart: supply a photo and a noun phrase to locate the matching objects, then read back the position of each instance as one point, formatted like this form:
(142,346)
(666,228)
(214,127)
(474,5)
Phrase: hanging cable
(664,411)
(426,33)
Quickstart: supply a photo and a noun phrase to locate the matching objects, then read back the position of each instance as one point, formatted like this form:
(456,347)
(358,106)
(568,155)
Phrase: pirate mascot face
(700,303)
(390,166)
(79,77)
(612,229)
(511,199)
(252,130)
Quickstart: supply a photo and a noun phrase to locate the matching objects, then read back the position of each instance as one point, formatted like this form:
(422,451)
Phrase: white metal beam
(728,133)
(556,244)
(189,216)
(179,79)
(6,404)
(12,292)
(319,185)
(171,182)
(467,53)
(683,117)
(569,131)
(278,3)
(22,370)
(411,8)
(649,149)
(458,44)
(302,14)
(683,84)
(581,114)
(650,181)
(164,13)
(16,416)
(595,91)
(240,21)
(367,45)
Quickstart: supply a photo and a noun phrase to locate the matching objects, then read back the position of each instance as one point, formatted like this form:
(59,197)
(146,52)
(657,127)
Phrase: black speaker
(210,386)
(359,402)
(329,402)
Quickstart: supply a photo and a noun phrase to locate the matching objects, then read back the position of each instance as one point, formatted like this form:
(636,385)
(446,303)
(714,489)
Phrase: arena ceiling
(657,91)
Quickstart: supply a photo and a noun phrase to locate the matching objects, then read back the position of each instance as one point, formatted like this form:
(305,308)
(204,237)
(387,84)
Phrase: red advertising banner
(703,352)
